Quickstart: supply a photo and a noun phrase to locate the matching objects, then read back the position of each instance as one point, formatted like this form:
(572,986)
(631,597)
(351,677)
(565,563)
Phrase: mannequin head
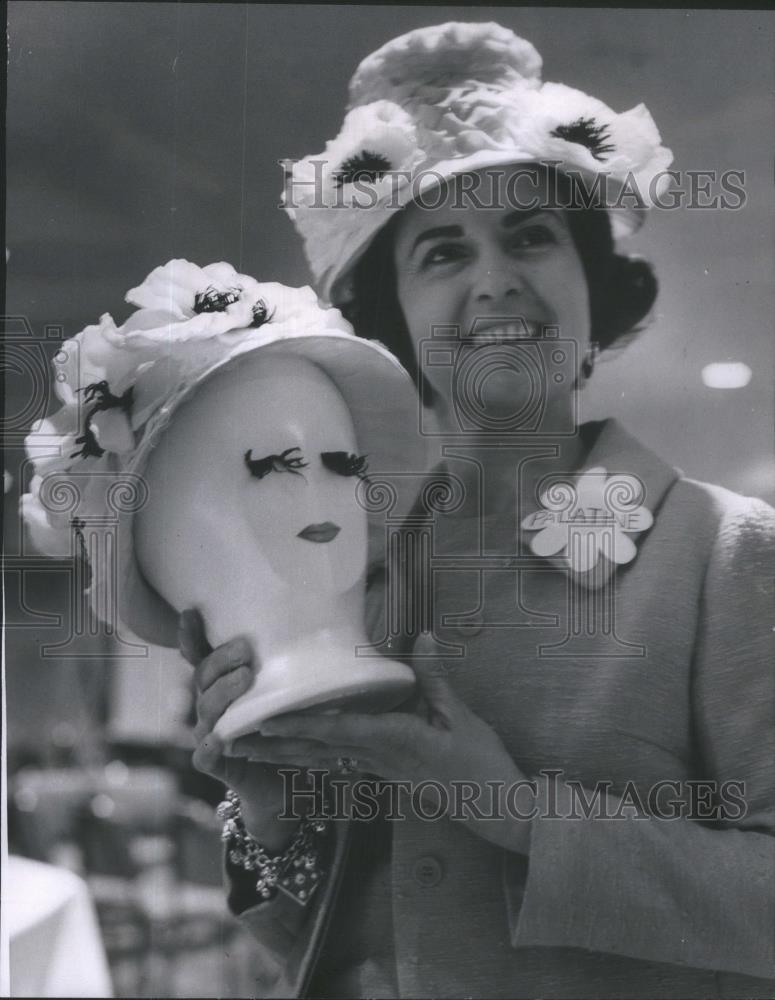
(209,445)
(252,515)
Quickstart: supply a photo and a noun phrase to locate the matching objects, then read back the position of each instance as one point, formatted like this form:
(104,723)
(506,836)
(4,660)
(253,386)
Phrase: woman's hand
(221,676)
(444,743)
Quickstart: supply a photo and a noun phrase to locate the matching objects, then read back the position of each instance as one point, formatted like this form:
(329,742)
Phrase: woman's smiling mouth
(504,332)
(325,532)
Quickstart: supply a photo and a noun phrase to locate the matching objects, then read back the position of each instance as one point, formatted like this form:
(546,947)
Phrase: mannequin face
(252,490)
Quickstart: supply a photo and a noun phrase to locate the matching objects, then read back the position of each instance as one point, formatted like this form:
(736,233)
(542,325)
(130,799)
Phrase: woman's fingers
(302,753)
(223,660)
(275,748)
(213,700)
(394,731)
(208,757)
(443,706)
(192,639)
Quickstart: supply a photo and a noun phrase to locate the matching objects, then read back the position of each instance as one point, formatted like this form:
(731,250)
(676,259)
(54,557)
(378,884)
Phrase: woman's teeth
(509,331)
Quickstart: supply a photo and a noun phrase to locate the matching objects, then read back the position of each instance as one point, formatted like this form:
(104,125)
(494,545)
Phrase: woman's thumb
(436,691)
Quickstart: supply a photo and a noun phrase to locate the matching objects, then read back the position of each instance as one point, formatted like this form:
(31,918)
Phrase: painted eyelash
(344,463)
(260,467)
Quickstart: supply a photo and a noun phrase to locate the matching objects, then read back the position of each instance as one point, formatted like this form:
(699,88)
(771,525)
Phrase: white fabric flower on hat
(382,132)
(81,360)
(111,378)
(377,143)
(592,518)
(211,300)
(49,531)
(115,382)
(585,133)
(421,63)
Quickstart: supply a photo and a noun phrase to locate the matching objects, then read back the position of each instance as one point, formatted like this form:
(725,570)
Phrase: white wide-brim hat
(121,386)
(448,100)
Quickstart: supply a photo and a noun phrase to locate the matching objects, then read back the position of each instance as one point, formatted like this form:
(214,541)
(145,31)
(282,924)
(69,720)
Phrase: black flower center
(99,393)
(364,166)
(586,132)
(260,313)
(211,300)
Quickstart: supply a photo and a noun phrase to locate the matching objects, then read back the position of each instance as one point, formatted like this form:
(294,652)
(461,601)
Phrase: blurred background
(145,131)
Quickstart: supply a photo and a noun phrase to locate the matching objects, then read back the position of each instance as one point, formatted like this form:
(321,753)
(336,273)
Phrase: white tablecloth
(54,938)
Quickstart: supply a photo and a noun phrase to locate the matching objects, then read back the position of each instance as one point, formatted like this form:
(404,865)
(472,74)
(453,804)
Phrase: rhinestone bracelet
(294,871)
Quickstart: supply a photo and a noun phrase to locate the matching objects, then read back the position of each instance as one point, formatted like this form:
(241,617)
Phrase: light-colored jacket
(673,679)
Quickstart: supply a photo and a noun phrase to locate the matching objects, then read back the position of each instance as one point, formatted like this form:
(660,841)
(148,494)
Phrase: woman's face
(496,274)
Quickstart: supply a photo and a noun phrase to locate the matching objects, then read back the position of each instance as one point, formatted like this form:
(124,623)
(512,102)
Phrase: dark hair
(622,288)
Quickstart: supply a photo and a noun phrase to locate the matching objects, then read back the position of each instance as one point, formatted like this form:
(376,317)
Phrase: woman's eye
(444,253)
(344,463)
(533,237)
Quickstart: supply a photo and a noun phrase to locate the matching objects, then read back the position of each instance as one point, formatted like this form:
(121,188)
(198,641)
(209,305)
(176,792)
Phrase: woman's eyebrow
(432,234)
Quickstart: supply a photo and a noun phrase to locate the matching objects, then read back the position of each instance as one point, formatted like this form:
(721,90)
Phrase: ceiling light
(726,375)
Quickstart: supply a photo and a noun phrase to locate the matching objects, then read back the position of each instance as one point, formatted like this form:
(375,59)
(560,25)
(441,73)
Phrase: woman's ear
(630,293)
(638,288)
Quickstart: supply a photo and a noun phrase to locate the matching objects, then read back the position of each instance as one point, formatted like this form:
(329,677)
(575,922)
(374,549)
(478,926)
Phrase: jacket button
(427,871)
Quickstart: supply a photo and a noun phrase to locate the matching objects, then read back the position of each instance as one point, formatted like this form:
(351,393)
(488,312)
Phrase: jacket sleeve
(280,927)
(681,891)
(288,935)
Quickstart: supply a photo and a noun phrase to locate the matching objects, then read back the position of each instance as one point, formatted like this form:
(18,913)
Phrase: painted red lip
(325,532)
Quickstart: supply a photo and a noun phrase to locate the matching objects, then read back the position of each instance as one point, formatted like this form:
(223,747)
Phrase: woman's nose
(496,280)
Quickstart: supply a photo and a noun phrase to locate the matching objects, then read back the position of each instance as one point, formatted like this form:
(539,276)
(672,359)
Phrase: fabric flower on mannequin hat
(450,99)
(120,386)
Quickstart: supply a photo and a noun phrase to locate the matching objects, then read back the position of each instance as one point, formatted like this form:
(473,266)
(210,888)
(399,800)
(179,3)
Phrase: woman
(624,658)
